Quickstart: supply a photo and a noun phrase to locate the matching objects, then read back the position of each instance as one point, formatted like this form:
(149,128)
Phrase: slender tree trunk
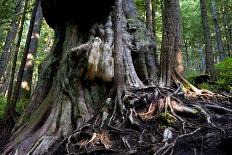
(31,56)
(149,19)
(154,9)
(217,31)
(9,110)
(11,35)
(178,40)
(118,56)
(187,54)
(168,41)
(150,58)
(23,62)
(209,58)
(226,33)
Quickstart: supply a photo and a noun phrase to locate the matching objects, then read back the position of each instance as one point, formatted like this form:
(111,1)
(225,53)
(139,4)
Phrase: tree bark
(178,40)
(168,42)
(217,31)
(149,19)
(23,62)
(75,78)
(11,35)
(209,58)
(151,59)
(118,55)
(31,56)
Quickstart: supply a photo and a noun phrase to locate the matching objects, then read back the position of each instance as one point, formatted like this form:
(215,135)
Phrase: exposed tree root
(151,111)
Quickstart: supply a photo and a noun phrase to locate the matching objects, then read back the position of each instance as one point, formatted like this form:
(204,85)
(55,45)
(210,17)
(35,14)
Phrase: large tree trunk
(209,58)
(31,56)
(11,35)
(217,31)
(168,42)
(72,106)
(69,91)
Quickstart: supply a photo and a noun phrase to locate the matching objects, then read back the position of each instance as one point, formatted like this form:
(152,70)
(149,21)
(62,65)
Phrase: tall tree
(209,58)
(11,35)
(217,30)
(151,58)
(9,109)
(168,42)
(28,70)
(23,61)
(149,19)
(178,39)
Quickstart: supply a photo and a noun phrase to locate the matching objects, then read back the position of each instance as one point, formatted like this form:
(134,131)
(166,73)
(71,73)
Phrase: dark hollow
(82,12)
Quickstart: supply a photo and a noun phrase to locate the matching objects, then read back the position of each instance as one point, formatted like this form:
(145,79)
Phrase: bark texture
(168,41)
(178,40)
(209,58)
(71,110)
(74,80)
(149,19)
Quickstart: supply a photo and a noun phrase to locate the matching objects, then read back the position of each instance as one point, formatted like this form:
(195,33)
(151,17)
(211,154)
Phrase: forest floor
(157,129)
(163,130)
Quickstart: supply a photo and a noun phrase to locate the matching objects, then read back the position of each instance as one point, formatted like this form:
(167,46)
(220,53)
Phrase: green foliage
(20,105)
(224,74)
(224,77)
(165,120)
(2,106)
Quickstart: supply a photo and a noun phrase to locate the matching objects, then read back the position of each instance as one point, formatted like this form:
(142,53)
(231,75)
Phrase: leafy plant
(224,74)
(2,106)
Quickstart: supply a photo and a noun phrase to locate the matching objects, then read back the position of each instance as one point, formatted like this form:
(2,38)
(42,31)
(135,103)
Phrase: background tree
(168,42)
(178,39)
(8,108)
(31,56)
(10,39)
(217,31)
(209,58)
(15,95)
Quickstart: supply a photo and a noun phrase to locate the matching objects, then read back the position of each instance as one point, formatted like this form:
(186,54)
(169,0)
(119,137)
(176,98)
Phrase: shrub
(2,106)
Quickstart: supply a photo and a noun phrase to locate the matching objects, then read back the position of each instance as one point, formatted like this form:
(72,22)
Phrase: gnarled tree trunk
(74,80)
(72,106)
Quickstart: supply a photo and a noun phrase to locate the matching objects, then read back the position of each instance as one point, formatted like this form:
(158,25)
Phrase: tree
(8,109)
(88,97)
(217,30)
(15,94)
(209,58)
(168,42)
(149,19)
(31,56)
(10,40)
(178,41)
